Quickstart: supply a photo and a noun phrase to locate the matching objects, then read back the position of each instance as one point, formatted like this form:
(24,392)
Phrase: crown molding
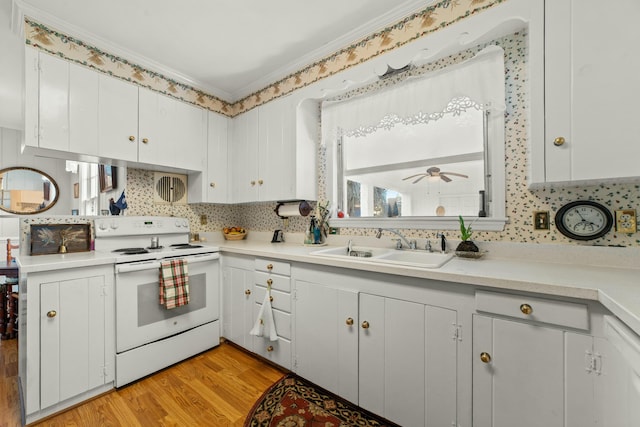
(391,17)
(21,9)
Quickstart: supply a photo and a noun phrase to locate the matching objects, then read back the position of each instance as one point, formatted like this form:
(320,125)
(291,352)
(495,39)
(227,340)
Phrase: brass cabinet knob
(349,321)
(247,292)
(485,357)
(260,182)
(145,140)
(52,313)
(270,298)
(270,348)
(212,184)
(132,138)
(253,183)
(269,267)
(269,282)
(365,325)
(559,141)
(526,309)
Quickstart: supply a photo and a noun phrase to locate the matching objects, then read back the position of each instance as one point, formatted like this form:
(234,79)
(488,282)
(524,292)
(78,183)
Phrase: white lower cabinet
(238,301)
(326,328)
(407,361)
(70,350)
(529,373)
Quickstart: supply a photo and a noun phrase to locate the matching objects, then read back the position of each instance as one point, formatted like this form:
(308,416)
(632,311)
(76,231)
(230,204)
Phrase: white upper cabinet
(117,119)
(72,109)
(212,184)
(591,79)
(273,154)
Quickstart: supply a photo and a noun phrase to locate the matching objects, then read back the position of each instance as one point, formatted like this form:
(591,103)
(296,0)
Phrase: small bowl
(234,236)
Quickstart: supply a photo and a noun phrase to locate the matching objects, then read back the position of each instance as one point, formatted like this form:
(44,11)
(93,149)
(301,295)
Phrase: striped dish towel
(174,283)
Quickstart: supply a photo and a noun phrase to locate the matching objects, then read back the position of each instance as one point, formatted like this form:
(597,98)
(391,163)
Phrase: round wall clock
(584,220)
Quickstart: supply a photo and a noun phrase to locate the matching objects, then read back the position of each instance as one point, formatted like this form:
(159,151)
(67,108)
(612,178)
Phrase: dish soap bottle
(308,237)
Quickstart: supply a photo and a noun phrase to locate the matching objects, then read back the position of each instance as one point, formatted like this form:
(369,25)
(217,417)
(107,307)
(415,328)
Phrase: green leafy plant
(465,232)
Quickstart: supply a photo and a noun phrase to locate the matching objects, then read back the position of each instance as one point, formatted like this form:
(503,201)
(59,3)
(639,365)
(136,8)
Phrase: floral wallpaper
(419,24)
(521,201)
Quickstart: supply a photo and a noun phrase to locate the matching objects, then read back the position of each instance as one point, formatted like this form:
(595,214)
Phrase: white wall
(11,71)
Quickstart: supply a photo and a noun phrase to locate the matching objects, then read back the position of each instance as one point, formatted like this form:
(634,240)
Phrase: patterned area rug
(294,402)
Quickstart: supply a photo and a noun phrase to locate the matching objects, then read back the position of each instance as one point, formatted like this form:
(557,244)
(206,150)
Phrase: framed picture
(107,175)
(76,190)
(47,238)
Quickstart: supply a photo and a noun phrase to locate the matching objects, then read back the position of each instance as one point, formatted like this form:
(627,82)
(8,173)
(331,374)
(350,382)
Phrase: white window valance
(477,83)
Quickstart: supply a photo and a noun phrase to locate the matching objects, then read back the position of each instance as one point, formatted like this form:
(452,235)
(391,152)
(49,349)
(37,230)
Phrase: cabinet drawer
(282,320)
(270,266)
(280,283)
(524,307)
(278,352)
(281,300)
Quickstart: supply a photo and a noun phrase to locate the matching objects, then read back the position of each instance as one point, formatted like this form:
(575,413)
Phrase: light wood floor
(215,388)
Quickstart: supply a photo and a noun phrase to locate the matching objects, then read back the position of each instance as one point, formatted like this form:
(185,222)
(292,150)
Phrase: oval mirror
(26,191)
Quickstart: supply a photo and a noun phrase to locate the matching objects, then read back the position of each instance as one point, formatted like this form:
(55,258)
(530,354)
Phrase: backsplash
(521,202)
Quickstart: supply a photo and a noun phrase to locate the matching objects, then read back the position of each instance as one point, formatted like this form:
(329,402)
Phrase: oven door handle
(137,266)
(201,258)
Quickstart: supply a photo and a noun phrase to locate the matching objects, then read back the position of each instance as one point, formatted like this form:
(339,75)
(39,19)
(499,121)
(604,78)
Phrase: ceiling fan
(434,172)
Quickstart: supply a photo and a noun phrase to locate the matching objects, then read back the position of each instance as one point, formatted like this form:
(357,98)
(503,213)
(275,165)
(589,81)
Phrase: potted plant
(466,245)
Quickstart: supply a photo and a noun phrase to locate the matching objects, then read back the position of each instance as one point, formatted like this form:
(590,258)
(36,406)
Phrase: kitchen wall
(520,201)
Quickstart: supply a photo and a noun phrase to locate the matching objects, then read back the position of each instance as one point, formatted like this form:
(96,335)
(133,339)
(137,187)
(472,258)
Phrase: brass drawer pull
(270,348)
(247,292)
(269,267)
(349,321)
(132,138)
(559,141)
(365,325)
(526,309)
(269,282)
(485,357)
(51,314)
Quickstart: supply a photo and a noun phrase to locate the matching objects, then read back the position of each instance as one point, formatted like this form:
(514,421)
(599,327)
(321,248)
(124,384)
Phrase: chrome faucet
(443,242)
(411,244)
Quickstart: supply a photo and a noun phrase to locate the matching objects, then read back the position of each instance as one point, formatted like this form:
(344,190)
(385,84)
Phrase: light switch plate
(626,221)
(203,220)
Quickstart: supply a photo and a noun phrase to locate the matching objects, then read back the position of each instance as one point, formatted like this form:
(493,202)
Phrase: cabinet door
(117,119)
(406,348)
(326,345)
(155,114)
(523,382)
(272,164)
(244,158)
(217,184)
(189,137)
(238,309)
(592,79)
(54,103)
(72,338)
(31,90)
(84,86)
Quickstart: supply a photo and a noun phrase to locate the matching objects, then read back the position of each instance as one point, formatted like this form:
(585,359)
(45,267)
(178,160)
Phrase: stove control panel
(123,226)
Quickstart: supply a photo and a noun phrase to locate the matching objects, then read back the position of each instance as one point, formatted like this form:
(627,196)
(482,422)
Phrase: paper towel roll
(287,210)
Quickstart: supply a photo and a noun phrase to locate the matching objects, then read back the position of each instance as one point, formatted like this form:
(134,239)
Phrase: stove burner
(185,246)
(132,251)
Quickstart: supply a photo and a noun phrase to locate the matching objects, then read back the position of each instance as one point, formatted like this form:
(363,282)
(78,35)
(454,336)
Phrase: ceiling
(228,48)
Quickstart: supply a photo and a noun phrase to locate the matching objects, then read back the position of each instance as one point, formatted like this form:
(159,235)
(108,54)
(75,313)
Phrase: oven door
(140,319)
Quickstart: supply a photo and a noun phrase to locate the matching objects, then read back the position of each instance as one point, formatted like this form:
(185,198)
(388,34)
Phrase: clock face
(584,220)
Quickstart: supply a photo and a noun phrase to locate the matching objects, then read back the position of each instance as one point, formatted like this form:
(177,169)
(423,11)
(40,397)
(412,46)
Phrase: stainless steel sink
(412,258)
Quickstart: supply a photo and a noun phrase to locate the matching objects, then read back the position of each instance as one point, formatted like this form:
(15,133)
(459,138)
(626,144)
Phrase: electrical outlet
(626,221)
(541,220)
(203,220)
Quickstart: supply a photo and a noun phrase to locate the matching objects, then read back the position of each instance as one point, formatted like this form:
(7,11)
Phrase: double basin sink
(410,258)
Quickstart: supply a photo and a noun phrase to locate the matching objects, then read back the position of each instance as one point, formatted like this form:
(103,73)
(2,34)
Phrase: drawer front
(280,283)
(281,300)
(275,267)
(278,352)
(524,307)
(281,319)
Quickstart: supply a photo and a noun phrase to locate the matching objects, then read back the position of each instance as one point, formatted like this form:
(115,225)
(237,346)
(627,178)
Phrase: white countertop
(608,275)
